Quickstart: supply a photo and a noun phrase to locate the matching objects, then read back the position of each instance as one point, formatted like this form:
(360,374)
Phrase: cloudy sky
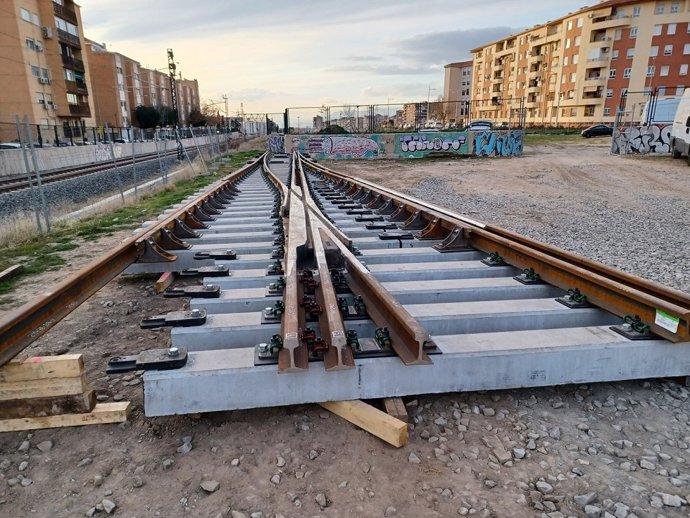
(271,54)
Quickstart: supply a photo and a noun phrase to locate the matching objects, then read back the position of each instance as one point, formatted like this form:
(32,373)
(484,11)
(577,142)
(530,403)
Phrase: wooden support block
(42,367)
(43,388)
(371,419)
(40,407)
(102,413)
(11,272)
(164,282)
(394,406)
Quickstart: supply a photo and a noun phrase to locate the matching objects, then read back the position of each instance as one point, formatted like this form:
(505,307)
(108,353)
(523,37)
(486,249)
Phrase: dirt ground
(620,448)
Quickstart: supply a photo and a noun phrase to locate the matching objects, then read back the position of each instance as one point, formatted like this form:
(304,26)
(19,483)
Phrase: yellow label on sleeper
(668,322)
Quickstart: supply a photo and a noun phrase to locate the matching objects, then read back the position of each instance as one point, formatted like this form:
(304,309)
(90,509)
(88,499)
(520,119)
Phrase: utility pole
(175,107)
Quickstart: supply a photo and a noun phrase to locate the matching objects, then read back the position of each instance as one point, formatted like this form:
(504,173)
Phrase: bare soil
(604,430)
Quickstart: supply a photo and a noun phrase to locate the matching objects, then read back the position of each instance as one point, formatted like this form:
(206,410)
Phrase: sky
(270,55)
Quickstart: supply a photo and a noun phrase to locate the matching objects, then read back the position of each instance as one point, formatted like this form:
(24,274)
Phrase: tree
(209,111)
(334,129)
(168,116)
(147,116)
(196,118)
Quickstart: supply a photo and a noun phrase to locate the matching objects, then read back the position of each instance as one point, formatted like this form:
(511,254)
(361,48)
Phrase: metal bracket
(195,317)
(529,276)
(381,226)
(152,253)
(634,329)
(169,241)
(494,259)
(574,299)
(183,231)
(207,291)
(155,359)
(201,215)
(454,242)
(385,236)
(365,219)
(358,212)
(216,254)
(208,271)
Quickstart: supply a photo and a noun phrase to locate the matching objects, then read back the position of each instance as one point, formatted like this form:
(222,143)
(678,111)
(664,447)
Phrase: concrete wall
(655,138)
(408,145)
(12,160)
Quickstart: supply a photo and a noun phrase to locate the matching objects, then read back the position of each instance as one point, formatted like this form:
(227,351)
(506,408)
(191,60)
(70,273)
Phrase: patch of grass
(39,253)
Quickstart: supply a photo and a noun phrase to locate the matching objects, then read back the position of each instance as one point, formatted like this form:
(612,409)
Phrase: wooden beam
(371,419)
(79,403)
(43,388)
(102,413)
(11,272)
(395,407)
(42,367)
(164,282)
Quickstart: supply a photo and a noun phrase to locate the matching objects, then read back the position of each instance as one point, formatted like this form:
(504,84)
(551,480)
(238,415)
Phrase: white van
(680,133)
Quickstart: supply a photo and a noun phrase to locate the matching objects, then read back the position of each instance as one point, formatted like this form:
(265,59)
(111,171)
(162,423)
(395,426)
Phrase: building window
(636,11)
(69,28)
(35,71)
(609,92)
(668,50)
(607,111)
(614,54)
(657,30)
(567,43)
(566,61)
(69,75)
(580,22)
(674,7)
(653,51)
(671,29)
(30,44)
(633,32)
(26,15)
(663,71)
(631,53)
(627,72)
(618,34)
(662,90)
(72,98)
(573,77)
(40,98)
(589,111)
(576,58)
(683,70)
(576,43)
(569,27)
(686,49)
(659,9)
(651,70)
(612,73)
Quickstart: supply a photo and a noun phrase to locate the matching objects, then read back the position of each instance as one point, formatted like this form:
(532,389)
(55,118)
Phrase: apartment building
(457,91)
(573,71)
(155,86)
(44,67)
(187,99)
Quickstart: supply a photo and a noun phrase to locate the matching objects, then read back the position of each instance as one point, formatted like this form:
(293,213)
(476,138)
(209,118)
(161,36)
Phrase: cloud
(448,46)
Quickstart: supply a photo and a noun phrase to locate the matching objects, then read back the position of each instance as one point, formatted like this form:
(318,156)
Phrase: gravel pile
(649,243)
(82,190)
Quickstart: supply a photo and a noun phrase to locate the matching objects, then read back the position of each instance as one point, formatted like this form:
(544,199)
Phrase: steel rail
(24,325)
(618,292)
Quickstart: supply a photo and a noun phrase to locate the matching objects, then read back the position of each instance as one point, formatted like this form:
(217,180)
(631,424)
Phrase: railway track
(350,290)
(19,182)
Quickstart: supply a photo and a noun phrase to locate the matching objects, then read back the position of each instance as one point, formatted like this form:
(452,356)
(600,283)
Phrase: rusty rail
(618,292)
(21,327)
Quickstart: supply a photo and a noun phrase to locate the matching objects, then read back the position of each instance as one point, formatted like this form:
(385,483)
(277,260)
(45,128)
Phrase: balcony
(537,58)
(80,110)
(69,39)
(533,89)
(609,22)
(595,81)
(532,104)
(65,13)
(73,63)
(591,101)
(600,61)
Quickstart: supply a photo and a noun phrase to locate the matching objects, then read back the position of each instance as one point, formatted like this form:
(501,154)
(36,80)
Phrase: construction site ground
(580,450)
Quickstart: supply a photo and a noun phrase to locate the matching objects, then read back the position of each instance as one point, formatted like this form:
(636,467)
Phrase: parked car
(599,130)
(680,132)
(480,125)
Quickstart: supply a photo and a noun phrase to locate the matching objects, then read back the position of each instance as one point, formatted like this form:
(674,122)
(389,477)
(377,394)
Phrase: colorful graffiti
(498,143)
(419,145)
(642,139)
(275,144)
(338,146)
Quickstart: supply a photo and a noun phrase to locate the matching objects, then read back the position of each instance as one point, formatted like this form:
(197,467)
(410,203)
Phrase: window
(40,98)
(589,111)
(566,61)
(686,49)
(30,44)
(663,71)
(69,75)
(659,8)
(636,11)
(44,73)
(631,53)
(657,30)
(674,7)
(26,15)
(651,70)
(580,21)
(35,71)
(607,111)
(567,43)
(627,72)
(683,70)
(66,26)
(609,92)
(570,25)
(72,98)
(668,50)
(576,59)
(576,43)
(662,90)
(633,32)
(612,73)
(653,51)
(671,28)
(573,77)
(614,54)
(618,34)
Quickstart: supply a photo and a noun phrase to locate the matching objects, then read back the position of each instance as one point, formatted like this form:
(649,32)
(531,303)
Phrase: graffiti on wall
(103,152)
(655,138)
(418,145)
(337,146)
(497,143)
(275,144)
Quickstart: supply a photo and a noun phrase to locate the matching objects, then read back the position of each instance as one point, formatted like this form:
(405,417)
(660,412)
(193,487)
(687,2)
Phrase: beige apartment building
(187,98)
(573,71)
(44,69)
(457,91)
